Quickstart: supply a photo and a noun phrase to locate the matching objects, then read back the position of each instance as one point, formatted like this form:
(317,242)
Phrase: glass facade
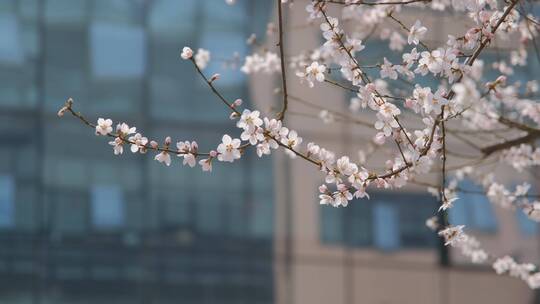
(387,221)
(81,225)
(473,209)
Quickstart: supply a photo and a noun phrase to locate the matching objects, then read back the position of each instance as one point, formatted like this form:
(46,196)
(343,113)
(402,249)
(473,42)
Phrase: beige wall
(307,271)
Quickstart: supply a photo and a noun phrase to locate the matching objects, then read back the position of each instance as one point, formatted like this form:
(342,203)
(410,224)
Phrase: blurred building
(81,225)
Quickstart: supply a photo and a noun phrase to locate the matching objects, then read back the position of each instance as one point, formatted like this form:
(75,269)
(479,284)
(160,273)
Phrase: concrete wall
(308,271)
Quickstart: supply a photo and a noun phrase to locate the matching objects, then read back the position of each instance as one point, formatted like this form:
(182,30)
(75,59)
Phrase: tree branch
(377,3)
(281,114)
(510,143)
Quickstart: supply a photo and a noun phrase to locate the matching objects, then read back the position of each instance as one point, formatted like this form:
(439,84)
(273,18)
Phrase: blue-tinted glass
(261,216)
(332,228)
(118,51)
(107,207)
(28,9)
(387,221)
(359,223)
(208,213)
(7,201)
(167,232)
(482,211)
(220,11)
(121,11)
(10,42)
(458,213)
(473,209)
(414,209)
(228,43)
(172,18)
(385,227)
(527,226)
(68,12)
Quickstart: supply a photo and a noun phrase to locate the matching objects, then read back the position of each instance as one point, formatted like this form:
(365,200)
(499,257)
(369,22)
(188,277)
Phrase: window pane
(7,201)
(386,221)
(332,224)
(10,41)
(458,213)
(482,211)
(66,12)
(118,51)
(386,227)
(473,209)
(107,207)
(359,223)
(527,226)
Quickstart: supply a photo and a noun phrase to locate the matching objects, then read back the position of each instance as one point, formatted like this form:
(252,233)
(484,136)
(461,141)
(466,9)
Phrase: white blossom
(313,72)
(123,130)
(118,146)
(228,149)
(453,235)
(104,126)
(139,143)
(385,124)
(202,58)
(416,33)
(345,167)
(388,70)
(163,157)
(188,152)
(249,120)
(267,63)
(206,164)
(292,140)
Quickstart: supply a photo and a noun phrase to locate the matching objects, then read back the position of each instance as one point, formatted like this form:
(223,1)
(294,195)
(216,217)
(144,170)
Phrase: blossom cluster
(497,193)
(469,245)
(267,63)
(126,135)
(522,157)
(524,271)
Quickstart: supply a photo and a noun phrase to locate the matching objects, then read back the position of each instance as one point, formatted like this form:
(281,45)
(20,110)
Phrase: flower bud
(187,53)
(62,111)
(237,102)
(214,77)
(501,80)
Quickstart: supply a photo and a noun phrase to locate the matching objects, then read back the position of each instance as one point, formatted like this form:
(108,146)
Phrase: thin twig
(406,29)
(376,3)
(216,92)
(281,114)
